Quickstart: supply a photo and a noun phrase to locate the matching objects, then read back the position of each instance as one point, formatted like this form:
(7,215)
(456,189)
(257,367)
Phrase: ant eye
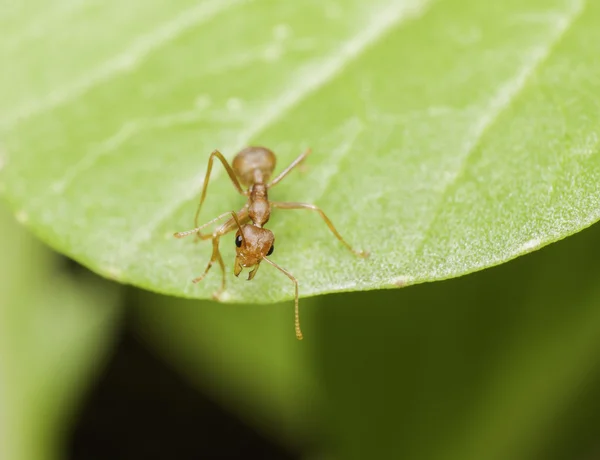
(238,241)
(271,250)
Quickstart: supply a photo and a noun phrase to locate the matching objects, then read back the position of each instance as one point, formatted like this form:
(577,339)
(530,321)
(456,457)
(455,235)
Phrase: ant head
(252,245)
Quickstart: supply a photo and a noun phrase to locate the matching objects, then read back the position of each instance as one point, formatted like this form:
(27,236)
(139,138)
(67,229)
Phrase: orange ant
(253,167)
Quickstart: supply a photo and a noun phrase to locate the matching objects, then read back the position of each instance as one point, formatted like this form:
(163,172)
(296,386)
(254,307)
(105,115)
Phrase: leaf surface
(448,135)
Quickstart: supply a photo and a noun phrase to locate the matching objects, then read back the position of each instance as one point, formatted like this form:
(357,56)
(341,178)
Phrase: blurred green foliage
(55,332)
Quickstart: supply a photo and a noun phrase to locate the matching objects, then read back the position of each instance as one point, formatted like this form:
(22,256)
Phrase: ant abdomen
(253,161)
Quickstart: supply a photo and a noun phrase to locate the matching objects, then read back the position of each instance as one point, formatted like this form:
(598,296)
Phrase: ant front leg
(227,227)
(216,256)
(196,230)
(312,207)
(231,174)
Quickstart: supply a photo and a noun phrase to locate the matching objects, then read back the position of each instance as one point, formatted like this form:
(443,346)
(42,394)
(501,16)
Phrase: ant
(252,167)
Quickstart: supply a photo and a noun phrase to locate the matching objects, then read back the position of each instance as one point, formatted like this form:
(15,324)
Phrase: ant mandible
(252,167)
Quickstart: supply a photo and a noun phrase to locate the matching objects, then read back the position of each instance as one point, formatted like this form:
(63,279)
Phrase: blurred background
(500,364)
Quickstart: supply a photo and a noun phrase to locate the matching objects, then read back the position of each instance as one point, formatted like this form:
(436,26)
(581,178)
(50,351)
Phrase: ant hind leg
(312,207)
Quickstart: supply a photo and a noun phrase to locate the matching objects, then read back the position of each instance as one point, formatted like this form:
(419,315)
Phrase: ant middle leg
(287,170)
(312,207)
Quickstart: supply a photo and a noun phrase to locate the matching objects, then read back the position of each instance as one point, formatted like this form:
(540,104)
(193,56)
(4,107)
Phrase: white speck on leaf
(114,272)
(203,102)
(531,245)
(223,296)
(22,217)
(402,281)
(273,52)
(282,31)
(588,147)
(234,104)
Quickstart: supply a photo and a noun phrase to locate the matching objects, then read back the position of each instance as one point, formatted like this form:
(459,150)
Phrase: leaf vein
(127,61)
(500,102)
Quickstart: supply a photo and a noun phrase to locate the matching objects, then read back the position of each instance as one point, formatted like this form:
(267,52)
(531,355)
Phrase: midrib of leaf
(127,61)
(501,101)
(309,80)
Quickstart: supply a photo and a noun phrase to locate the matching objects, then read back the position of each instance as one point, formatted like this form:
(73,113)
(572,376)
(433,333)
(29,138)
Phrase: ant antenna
(296,312)
(237,221)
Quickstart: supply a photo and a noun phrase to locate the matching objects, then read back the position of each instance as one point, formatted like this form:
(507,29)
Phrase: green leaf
(55,333)
(448,136)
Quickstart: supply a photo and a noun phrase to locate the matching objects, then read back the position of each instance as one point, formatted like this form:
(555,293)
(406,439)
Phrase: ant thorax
(259,210)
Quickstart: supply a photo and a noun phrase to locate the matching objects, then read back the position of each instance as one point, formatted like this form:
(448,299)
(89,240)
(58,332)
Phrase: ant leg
(231,174)
(312,207)
(216,256)
(197,229)
(286,171)
(201,236)
(227,227)
(296,311)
